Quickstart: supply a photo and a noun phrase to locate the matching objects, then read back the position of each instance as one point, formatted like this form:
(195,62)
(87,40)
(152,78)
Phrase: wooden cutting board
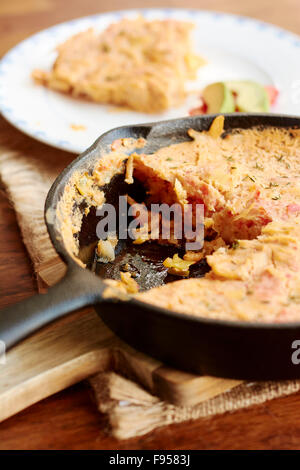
(79,346)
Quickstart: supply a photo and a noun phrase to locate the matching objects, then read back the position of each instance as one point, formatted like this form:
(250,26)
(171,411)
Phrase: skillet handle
(77,289)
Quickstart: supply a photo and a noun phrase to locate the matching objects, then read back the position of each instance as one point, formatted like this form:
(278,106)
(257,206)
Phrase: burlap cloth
(27,170)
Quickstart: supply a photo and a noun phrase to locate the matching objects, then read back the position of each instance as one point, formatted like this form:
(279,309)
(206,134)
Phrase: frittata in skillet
(249,183)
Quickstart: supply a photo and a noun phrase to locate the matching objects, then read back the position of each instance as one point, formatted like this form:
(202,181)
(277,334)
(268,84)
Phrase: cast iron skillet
(242,350)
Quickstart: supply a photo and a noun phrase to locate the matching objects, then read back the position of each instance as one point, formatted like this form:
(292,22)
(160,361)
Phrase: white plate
(235,48)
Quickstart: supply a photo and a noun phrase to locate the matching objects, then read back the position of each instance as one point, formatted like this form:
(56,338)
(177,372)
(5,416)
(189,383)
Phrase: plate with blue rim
(234,47)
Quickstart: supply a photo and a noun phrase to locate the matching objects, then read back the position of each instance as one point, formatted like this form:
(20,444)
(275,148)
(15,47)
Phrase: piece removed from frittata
(140,64)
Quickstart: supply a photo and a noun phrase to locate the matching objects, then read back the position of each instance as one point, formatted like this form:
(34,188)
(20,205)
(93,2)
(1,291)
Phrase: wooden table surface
(69,420)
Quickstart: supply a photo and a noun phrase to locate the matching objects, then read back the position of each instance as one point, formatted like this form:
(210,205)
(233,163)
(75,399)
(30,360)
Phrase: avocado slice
(250,96)
(218,98)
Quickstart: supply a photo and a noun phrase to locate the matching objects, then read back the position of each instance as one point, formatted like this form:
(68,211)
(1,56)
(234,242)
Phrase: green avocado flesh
(218,98)
(246,96)
(251,97)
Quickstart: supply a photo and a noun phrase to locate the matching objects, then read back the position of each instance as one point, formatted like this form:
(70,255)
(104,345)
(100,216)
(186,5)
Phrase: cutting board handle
(77,289)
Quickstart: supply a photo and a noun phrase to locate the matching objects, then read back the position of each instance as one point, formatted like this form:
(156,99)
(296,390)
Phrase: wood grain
(69,419)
